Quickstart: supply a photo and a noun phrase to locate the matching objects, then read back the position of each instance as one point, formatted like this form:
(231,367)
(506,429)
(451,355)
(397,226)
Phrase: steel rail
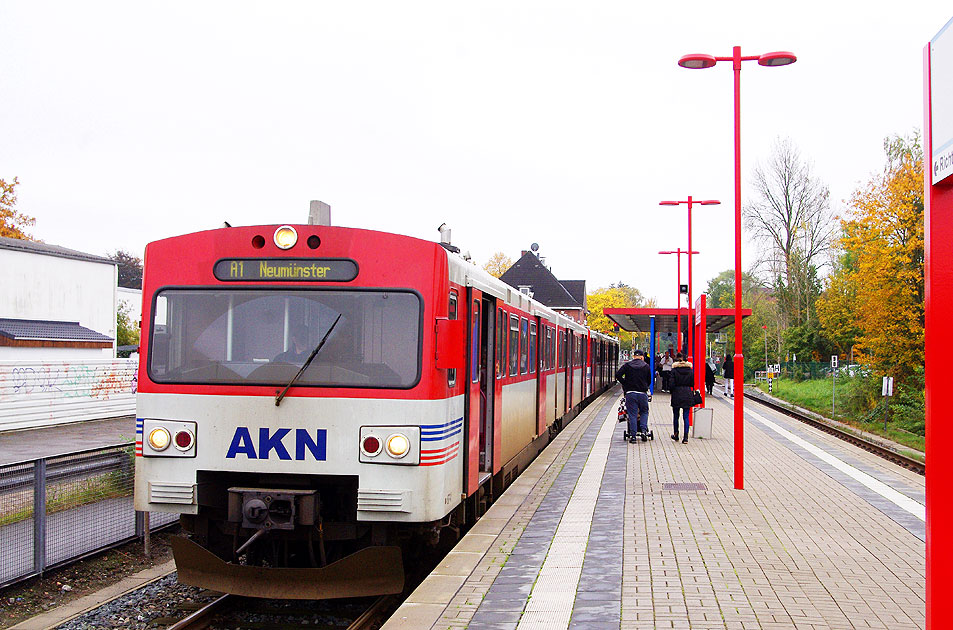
(375,613)
(880,450)
(202,617)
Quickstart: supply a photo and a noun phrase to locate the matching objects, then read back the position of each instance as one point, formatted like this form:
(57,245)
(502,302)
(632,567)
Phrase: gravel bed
(137,609)
(166,598)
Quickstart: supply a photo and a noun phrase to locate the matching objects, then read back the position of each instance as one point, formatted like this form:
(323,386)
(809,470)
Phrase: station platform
(598,533)
(26,444)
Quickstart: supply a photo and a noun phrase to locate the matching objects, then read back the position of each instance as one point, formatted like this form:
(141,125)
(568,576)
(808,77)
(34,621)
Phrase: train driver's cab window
(235,336)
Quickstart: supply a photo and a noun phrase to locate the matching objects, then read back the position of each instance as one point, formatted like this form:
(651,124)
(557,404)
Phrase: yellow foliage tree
(883,240)
(498,264)
(619,296)
(12,223)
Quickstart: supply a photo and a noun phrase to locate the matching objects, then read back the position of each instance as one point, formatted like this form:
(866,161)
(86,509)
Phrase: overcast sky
(560,123)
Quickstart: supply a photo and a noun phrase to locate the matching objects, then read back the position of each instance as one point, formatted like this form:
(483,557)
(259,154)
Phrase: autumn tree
(791,219)
(882,288)
(618,295)
(12,223)
(498,264)
(130,269)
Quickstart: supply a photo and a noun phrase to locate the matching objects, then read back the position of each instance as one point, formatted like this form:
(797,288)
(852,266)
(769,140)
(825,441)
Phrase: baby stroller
(624,417)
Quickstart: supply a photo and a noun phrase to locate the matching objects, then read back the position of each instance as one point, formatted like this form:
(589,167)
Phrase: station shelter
(697,322)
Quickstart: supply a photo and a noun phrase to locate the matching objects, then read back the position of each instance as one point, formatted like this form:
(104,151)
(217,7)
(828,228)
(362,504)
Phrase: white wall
(44,393)
(15,353)
(36,286)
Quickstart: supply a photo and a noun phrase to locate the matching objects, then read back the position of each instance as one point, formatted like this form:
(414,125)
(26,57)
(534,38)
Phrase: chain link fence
(58,509)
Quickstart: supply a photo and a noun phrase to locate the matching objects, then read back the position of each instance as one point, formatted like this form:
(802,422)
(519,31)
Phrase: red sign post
(938,268)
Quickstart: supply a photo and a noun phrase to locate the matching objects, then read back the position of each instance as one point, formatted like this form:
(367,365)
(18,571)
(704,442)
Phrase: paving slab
(654,535)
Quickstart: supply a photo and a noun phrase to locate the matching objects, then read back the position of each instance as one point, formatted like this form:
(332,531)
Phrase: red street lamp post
(678,318)
(690,202)
(696,61)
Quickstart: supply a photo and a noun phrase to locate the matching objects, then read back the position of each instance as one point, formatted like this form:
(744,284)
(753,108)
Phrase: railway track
(868,445)
(290,618)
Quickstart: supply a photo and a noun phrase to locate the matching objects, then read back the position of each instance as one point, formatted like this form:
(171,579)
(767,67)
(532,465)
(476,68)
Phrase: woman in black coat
(709,378)
(683,386)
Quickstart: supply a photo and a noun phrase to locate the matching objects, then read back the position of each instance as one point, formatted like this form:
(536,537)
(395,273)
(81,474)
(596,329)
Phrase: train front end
(289,410)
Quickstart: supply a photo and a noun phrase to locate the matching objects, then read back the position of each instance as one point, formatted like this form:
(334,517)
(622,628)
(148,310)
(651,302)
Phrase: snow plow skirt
(370,571)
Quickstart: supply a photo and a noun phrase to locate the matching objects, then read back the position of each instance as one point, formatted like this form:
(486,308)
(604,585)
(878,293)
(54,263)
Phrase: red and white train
(313,399)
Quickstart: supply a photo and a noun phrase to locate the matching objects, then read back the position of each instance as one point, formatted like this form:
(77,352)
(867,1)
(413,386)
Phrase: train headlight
(394,445)
(159,439)
(286,237)
(398,445)
(158,435)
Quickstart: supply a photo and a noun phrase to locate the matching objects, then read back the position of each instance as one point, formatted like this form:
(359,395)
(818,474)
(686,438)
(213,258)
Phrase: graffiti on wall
(65,380)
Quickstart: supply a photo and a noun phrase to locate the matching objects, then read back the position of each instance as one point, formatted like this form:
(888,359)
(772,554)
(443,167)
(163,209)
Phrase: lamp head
(776,59)
(696,61)
(710,202)
(668,203)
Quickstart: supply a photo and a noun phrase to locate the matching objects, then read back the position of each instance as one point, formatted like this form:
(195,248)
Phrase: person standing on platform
(683,384)
(667,371)
(729,370)
(709,376)
(635,377)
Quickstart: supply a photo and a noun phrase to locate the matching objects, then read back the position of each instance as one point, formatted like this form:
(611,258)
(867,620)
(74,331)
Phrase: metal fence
(56,510)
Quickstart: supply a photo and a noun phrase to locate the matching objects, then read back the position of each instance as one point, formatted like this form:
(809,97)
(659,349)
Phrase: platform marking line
(554,592)
(899,499)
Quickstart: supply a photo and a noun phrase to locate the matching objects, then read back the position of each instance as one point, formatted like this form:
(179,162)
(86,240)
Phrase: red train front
(313,398)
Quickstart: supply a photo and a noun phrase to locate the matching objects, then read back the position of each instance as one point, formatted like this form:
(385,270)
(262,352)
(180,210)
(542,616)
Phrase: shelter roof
(46,249)
(666,319)
(46,330)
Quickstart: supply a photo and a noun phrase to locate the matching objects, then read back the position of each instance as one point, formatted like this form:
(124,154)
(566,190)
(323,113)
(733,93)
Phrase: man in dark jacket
(729,370)
(635,377)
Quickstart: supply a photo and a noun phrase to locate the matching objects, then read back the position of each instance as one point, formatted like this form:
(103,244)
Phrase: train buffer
(599,533)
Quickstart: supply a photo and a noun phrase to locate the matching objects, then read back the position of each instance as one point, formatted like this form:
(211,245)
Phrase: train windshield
(263,337)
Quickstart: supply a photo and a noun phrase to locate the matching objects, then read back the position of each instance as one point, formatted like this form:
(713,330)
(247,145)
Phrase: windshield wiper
(304,367)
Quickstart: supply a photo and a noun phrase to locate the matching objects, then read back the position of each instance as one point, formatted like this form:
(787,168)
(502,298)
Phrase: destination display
(286,269)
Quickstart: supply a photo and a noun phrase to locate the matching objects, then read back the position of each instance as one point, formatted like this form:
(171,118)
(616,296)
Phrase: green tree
(130,269)
(127,334)
(12,223)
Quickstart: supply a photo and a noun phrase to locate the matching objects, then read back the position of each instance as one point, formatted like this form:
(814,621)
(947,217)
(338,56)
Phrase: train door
(537,335)
(570,368)
(487,386)
(475,406)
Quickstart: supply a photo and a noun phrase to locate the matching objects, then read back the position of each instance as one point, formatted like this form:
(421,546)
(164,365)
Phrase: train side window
(532,347)
(561,349)
(551,351)
(475,342)
(452,314)
(514,345)
(524,346)
(500,343)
